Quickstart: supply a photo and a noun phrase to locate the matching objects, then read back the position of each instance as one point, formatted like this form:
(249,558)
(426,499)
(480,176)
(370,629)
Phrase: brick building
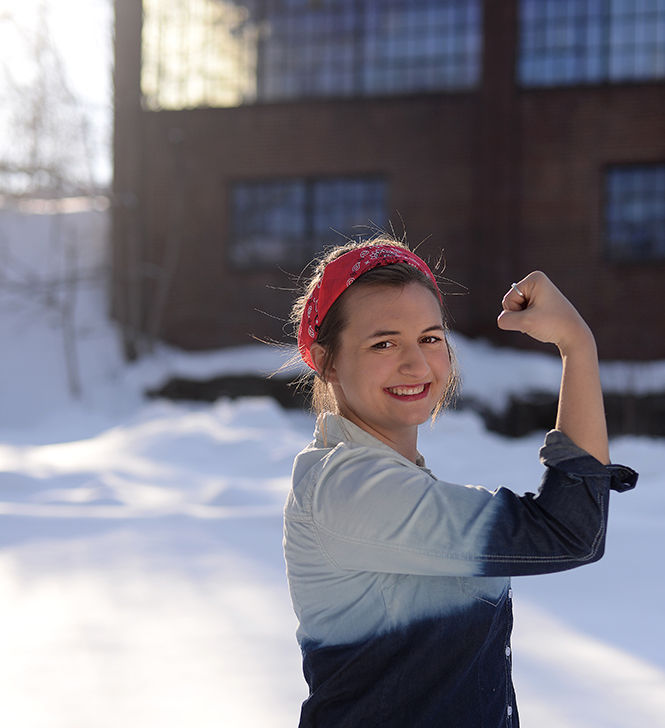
(512,135)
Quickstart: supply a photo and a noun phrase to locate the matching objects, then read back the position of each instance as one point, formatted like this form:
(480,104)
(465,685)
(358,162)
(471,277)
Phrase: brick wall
(568,137)
(191,158)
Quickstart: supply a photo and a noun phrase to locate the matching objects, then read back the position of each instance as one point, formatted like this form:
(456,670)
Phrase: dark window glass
(308,49)
(566,42)
(421,46)
(288,221)
(635,212)
(637,40)
(350,207)
(268,221)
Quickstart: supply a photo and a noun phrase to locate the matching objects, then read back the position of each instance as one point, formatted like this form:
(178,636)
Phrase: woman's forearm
(536,307)
(581,412)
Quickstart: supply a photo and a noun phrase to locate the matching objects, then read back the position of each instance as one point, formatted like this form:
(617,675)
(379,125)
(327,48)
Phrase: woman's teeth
(404,391)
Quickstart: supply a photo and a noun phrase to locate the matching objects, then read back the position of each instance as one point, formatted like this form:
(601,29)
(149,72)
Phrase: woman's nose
(414,362)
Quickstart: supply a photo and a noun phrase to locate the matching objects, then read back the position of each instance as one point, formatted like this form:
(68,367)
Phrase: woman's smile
(408,393)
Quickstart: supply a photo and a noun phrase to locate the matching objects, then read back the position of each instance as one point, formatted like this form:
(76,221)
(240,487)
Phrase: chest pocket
(489,589)
(409,597)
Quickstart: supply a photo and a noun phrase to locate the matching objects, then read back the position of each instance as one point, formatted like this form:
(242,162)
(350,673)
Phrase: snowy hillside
(141,570)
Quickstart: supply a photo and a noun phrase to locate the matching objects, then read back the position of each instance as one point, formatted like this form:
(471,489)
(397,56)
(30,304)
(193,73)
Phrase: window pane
(560,42)
(268,222)
(587,41)
(352,208)
(198,53)
(637,38)
(287,222)
(308,48)
(421,46)
(635,212)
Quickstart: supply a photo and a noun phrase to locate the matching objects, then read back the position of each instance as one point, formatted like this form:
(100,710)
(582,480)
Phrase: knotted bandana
(338,275)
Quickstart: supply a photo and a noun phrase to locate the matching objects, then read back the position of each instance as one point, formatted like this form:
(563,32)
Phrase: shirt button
(510,710)
(507,650)
(510,593)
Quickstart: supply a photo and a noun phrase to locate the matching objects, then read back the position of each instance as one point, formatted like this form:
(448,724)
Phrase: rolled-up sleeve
(383,514)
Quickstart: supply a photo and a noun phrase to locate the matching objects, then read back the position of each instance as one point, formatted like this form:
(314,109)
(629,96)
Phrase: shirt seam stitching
(458,557)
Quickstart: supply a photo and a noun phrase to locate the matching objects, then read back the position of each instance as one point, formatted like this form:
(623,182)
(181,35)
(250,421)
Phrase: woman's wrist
(579,341)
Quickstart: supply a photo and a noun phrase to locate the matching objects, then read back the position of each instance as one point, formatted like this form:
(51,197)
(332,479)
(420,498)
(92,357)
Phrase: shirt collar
(332,429)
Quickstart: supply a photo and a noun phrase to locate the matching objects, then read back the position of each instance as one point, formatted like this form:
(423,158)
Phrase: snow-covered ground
(141,572)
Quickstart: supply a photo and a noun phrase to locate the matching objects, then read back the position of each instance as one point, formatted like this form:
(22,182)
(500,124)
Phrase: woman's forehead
(411,304)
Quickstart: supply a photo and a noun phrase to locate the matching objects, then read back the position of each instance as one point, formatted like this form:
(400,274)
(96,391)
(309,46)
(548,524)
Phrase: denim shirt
(401,582)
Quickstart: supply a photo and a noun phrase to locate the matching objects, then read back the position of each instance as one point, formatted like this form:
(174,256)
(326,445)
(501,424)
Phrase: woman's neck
(404,441)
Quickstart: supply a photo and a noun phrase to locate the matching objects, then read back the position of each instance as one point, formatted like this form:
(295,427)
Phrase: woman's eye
(381,345)
(431,339)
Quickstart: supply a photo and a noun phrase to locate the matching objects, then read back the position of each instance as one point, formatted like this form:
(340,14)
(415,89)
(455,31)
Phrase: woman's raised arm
(537,308)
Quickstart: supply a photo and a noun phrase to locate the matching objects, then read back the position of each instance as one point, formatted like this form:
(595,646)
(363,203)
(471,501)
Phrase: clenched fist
(539,309)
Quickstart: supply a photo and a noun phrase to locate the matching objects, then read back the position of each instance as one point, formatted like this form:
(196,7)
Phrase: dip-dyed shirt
(400,581)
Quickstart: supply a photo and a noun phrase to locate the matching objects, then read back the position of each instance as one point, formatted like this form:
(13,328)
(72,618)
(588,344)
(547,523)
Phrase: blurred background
(168,168)
(507,136)
(56,97)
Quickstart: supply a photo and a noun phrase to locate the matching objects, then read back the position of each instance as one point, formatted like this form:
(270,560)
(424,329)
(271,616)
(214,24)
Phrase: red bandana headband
(338,275)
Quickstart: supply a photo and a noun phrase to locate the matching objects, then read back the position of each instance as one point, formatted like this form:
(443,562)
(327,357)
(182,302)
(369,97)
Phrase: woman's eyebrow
(377,334)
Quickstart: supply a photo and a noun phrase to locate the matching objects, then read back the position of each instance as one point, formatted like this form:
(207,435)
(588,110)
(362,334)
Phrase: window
(565,42)
(635,212)
(288,221)
(364,47)
(231,52)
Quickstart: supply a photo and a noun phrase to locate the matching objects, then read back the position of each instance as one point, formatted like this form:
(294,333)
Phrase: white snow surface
(141,569)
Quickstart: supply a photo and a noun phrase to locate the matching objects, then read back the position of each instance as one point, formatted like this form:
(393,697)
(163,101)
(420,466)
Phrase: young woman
(401,581)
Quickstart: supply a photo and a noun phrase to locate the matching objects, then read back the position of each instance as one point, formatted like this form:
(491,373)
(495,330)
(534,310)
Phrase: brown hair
(396,275)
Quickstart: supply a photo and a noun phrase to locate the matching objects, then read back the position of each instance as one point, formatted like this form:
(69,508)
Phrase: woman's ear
(318,354)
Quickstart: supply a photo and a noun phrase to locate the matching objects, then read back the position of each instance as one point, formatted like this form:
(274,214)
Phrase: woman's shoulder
(321,458)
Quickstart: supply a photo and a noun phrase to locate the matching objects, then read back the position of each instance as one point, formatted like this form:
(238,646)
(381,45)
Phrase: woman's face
(392,366)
